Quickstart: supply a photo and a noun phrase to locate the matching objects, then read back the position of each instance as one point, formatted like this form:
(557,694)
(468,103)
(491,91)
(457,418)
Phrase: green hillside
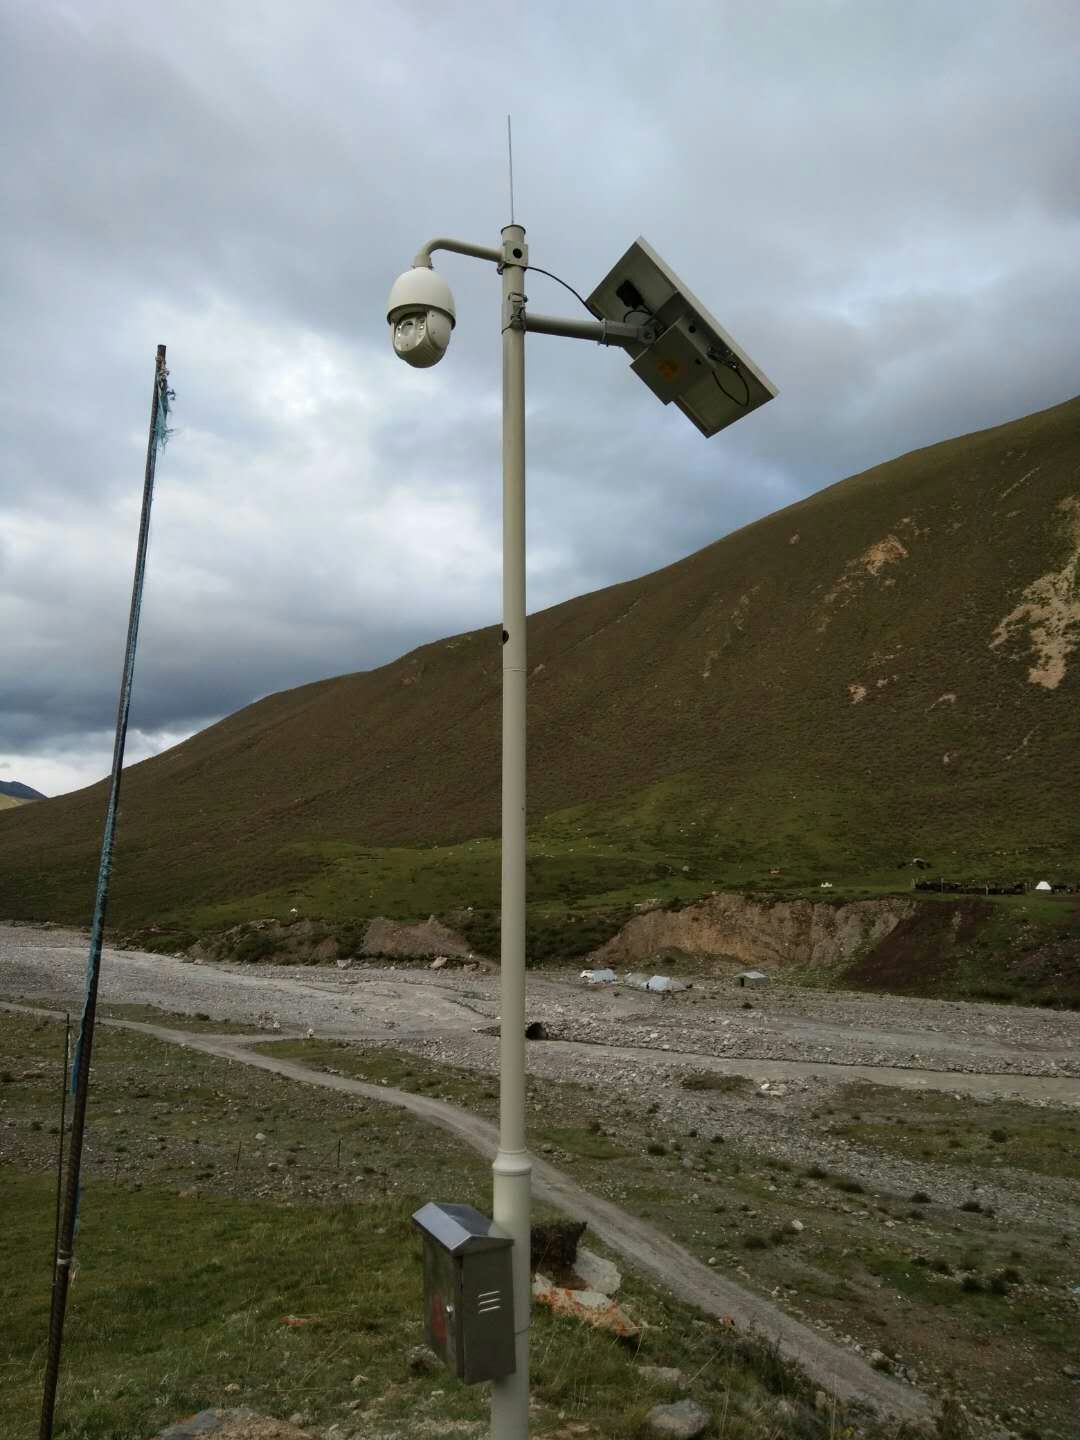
(9,802)
(886,669)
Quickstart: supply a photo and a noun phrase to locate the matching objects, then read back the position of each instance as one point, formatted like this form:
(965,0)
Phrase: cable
(562,283)
(742,404)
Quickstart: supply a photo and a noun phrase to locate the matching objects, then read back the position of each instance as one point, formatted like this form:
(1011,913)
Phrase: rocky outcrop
(421,940)
(767,933)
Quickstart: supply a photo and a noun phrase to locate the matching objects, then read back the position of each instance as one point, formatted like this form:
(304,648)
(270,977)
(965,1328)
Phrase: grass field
(941,1286)
(218,1212)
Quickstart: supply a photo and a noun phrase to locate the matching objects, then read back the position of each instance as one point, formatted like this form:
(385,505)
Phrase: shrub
(709,1080)
(654,1147)
(972,1207)
(920,1198)
(256,945)
(972,1284)
(849,1186)
(816,1172)
(755,1242)
(940,1265)
(999,1136)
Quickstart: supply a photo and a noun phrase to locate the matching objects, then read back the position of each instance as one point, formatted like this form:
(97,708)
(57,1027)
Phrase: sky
(879,201)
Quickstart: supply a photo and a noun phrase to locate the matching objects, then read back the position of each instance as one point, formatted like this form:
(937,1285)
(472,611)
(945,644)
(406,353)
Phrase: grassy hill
(9,802)
(883,670)
(13,790)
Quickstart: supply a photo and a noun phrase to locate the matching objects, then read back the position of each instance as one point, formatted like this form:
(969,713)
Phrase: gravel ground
(795,1044)
(782,1023)
(633,1050)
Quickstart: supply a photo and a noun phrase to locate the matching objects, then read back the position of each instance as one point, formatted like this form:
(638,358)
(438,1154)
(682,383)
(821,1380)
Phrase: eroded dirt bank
(770,934)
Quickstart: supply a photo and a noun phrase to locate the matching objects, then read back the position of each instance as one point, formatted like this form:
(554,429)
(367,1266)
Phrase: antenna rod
(80,1079)
(510,153)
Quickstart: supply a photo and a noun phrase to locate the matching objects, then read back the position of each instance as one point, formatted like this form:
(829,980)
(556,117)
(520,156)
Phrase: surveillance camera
(421,316)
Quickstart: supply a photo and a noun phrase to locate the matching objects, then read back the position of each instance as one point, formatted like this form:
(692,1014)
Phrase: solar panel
(692,361)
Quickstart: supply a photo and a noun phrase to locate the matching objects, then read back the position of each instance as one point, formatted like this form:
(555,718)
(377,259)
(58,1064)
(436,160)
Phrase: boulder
(596,1273)
(590,1306)
(666,1375)
(685,1419)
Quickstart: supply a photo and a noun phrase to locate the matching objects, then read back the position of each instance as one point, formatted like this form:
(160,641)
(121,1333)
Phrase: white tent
(1044,885)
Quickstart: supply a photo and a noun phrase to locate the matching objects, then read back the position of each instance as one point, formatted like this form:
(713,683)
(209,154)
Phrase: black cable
(560,282)
(742,404)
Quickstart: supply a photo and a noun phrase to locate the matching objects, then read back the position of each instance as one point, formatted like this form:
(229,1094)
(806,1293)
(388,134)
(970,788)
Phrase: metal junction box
(468,1291)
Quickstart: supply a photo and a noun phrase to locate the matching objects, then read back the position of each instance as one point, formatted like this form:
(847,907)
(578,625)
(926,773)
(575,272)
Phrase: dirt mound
(736,930)
(917,952)
(426,938)
(316,942)
(231,1425)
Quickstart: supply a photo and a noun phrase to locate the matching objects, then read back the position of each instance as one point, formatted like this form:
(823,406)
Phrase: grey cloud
(881,203)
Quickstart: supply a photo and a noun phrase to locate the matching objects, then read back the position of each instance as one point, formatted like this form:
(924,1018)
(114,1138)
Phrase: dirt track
(833,1367)
(625,1044)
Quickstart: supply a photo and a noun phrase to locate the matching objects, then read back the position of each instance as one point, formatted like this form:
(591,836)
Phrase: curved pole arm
(459,247)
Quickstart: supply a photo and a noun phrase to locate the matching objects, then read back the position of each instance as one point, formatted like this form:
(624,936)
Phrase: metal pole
(84,1044)
(60,1156)
(512,1167)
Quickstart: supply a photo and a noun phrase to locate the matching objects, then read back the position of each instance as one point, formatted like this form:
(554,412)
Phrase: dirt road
(833,1367)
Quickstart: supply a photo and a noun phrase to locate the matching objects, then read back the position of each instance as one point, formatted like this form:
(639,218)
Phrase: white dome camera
(421,315)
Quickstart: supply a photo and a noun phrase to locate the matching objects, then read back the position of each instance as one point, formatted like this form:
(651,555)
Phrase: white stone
(663,1375)
(685,1420)
(596,1272)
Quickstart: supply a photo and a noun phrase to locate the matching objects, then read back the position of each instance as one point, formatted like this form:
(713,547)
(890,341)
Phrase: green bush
(256,945)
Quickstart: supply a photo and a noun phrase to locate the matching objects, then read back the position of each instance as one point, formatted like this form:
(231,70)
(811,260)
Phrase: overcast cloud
(880,201)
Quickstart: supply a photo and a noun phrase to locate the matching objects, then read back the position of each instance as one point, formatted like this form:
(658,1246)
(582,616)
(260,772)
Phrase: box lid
(459,1228)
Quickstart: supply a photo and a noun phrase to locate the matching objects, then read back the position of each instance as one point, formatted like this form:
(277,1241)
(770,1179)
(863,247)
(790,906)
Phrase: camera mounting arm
(604,332)
(459,247)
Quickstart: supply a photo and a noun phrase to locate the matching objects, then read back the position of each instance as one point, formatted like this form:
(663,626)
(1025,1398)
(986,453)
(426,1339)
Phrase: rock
(663,1375)
(685,1419)
(439,963)
(796,1227)
(596,1273)
(1071,1372)
(590,1306)
(554,1243)
(821,1402)
(234,1425)
(422,1361)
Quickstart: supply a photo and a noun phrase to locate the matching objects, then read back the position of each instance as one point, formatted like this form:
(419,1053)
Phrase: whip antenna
(510,157)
